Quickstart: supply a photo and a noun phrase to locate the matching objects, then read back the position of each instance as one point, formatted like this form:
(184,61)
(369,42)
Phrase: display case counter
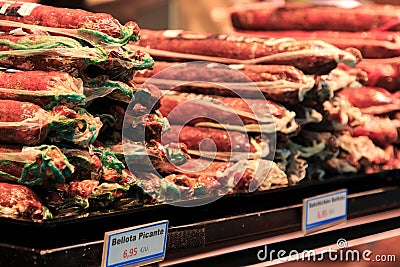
(232,229)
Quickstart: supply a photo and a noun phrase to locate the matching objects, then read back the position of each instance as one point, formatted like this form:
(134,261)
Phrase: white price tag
(325,210)
(4,8)
(171,33)
(26,9)
(136,245)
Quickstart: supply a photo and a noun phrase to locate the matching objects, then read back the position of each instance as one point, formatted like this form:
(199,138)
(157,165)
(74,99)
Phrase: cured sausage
(45,89)
(20,201)
(47,53)
(280,83)
(13,114)
(371,44)
(34,166)
(371,100)
(381,74)
(225,141)
(28,124)
(314,57)
(35,14)
(59,53)
(254,115)
(298,16)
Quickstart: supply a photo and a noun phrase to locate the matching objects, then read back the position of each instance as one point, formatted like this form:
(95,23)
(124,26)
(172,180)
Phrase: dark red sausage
(36,80)
(185,108)
(62,18)
(225,141)
(385,75)
(20,201)
(315,57)
(371,44)
(371,100)
(280,83)
(28,133)
(255,73)
(298,16)
(56,88)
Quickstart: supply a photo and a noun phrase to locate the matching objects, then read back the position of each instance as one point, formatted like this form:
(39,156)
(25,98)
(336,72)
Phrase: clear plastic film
(59,53)
(255,178)
(101,86)
(82,129)
(311,56)
(254,122)
(93,37)
(56,92)
(137,153)
(272,80)
(35,166)
(262,150)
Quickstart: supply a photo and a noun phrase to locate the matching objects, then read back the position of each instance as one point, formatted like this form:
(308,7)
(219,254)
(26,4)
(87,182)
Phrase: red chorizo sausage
(315,57)
(46,89)
(20,201)
(56,17)
(298,16)
(225,141)
(22,123)
(380,74)
(280,83)
(371,44)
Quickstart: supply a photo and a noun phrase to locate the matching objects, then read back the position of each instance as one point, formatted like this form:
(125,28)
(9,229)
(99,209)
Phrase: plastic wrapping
(274,81)
(102,24)
(46,89)
(79,128)
(211,179)
(371,44)
(142,156)
(221,109)
(34,166)
(101,86)
(79,196)
(317,16)
(28,124)
(58,53)
(112,167)
(87,164)
(312,57)
(17,201)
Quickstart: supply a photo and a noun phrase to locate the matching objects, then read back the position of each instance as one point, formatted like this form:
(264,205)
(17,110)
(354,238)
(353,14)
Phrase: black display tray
(233,219)
(69,231)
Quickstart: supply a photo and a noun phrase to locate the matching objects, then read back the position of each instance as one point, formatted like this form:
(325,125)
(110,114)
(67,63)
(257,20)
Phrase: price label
(26,9)
(325,210)
(136,245)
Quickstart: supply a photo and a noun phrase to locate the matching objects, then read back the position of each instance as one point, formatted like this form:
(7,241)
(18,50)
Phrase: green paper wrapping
(44,165)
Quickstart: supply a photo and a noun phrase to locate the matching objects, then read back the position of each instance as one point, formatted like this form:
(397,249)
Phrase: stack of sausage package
(65,86)
(334,113)
(90,122)
(280,106)
(361,117)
